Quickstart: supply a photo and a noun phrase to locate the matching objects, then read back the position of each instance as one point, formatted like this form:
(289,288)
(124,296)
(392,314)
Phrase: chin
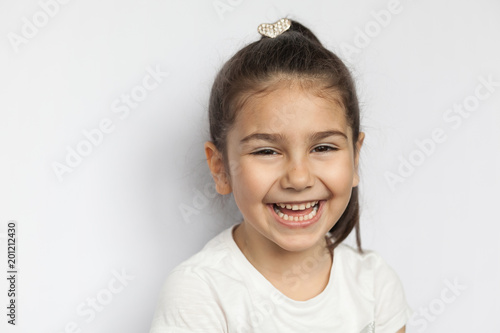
(299,243)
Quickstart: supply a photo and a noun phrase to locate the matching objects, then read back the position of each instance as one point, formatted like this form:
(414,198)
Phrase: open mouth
(296,212)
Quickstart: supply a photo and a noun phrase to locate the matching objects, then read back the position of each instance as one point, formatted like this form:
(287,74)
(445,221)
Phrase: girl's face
(293,167)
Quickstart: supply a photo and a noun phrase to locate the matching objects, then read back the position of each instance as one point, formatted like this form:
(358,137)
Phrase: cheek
(340,176)
(251,183)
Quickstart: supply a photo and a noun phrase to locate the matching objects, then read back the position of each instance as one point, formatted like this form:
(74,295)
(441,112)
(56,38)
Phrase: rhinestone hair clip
(275,29)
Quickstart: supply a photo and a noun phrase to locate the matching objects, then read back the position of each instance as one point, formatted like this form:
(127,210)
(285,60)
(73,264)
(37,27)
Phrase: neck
(280,265)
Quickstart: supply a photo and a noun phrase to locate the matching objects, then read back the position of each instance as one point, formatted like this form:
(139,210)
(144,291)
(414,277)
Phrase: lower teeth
(297,218)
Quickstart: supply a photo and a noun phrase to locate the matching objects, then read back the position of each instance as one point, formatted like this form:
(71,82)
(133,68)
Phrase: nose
(297,175)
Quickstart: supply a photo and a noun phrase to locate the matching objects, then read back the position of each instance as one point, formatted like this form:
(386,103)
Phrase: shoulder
(212,256)
(188,299)
(376,279)
(366,262)
(196,273)
(370,267)
(364,271)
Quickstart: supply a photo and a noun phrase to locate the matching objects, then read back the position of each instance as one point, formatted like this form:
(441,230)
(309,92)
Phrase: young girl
(285,141)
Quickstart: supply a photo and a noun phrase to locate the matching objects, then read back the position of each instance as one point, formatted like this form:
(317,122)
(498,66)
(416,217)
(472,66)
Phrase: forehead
(292,107)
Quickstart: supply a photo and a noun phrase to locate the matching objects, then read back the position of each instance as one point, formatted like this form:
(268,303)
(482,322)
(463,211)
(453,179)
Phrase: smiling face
(293,167)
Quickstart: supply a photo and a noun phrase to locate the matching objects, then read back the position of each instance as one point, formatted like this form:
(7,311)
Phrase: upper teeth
(298,206)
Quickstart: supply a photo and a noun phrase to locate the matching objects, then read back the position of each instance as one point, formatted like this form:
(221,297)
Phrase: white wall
(118,212)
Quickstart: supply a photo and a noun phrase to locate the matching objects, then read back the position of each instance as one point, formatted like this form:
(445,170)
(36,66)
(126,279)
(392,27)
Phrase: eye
(324,149)
(265,151)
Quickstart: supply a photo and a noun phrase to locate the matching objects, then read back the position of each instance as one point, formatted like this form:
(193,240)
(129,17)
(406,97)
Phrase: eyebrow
(275,138)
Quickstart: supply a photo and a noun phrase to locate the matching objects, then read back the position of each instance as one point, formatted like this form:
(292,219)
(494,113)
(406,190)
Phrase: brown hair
(295,54)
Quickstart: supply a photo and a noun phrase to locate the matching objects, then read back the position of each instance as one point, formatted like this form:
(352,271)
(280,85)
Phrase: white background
(119,211)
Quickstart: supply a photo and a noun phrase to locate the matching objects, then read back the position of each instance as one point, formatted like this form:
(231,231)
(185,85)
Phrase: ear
(361,138)
(216,166)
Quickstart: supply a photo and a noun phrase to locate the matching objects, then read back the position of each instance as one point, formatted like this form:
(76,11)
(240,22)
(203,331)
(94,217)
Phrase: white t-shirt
(219,290)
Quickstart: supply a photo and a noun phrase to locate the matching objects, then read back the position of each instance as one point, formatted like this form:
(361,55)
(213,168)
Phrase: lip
(298,224)
(296,202)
